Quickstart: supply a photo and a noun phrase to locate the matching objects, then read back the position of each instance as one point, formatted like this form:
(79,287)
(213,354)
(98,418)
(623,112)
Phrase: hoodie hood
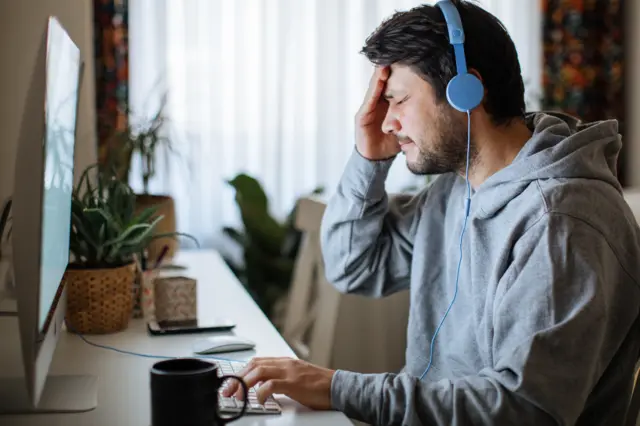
(561,147)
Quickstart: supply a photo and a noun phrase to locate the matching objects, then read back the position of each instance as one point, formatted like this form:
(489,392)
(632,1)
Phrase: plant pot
(165,207)
(99,301)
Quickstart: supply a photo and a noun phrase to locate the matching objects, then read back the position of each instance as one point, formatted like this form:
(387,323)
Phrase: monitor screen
(62,78)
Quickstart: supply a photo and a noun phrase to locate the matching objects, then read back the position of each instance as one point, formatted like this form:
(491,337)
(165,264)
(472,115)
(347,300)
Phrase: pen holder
(143,294)
(147,294)
(175,298)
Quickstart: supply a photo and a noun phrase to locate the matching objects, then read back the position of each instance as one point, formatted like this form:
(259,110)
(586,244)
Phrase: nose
(391,125)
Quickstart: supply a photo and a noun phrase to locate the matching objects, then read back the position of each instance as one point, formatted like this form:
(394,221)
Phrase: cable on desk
(125,352)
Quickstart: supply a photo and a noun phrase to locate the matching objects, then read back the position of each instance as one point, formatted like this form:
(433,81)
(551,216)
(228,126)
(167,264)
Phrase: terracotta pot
(99,301)
(166,208)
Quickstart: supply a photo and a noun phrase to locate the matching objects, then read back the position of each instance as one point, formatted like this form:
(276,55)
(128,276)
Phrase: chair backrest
(338,330)
(312,306)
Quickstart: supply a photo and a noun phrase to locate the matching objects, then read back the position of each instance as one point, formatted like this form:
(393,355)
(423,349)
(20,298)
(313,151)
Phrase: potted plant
(269,246)
(145,137)
(107,237)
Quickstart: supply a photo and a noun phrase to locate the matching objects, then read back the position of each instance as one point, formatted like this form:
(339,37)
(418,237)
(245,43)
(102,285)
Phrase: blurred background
(204,103)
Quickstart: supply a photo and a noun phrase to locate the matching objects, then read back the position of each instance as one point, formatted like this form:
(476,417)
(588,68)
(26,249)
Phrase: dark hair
(419,38)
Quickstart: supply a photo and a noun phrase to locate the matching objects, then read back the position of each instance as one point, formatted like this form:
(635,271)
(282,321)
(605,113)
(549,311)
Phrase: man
(542,322)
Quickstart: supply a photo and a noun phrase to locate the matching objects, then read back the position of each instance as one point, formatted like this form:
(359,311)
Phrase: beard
(445,150)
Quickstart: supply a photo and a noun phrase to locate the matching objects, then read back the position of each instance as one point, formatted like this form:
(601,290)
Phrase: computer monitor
(41,212)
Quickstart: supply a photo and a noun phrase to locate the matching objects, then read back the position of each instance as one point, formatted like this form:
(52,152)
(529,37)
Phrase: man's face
(432,136)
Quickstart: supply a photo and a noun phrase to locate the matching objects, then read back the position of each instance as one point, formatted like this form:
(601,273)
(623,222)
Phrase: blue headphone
(464,91)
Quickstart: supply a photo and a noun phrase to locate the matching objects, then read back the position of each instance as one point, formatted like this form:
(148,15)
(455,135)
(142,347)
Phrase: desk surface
(123,380)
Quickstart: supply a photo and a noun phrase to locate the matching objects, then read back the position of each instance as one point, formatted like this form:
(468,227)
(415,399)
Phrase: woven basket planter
(99,301)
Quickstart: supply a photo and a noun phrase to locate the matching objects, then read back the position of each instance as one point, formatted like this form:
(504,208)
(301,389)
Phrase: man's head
(416,46)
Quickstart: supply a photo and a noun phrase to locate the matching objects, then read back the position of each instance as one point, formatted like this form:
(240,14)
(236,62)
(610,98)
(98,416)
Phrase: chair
(336,330)
(309,331)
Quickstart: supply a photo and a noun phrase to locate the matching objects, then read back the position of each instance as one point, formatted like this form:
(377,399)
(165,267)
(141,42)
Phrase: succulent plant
(106,231)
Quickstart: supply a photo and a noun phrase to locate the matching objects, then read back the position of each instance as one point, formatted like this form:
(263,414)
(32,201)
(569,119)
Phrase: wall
(22,23)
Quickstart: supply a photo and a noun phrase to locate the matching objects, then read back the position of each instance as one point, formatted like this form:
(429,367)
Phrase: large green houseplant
(269,246)
(107,237)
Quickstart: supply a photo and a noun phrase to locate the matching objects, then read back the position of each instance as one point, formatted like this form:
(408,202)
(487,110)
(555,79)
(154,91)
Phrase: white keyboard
(231,405)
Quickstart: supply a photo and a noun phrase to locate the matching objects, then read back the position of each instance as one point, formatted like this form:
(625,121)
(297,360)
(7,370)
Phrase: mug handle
(245,390)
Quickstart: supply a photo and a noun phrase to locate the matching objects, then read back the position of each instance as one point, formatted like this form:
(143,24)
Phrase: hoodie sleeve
(367,239)
(560,315)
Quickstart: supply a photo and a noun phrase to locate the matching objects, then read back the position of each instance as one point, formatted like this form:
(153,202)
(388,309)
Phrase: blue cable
(97,345)
(464,226)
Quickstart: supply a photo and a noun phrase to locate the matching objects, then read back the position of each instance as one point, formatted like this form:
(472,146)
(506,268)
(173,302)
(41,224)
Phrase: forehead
(403,79)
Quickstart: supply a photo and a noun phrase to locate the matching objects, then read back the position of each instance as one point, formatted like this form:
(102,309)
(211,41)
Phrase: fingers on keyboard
(232,405)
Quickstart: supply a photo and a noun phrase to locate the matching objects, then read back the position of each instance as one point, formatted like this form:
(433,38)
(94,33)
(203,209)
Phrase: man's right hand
(371,142)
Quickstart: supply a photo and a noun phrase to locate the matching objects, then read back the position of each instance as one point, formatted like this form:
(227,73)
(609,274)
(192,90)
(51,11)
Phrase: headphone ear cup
(465,92)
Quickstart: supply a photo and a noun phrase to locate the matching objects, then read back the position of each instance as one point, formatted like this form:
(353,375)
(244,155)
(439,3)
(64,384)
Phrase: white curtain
(264,87)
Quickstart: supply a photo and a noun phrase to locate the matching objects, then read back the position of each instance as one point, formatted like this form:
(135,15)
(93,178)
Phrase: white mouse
(217,344)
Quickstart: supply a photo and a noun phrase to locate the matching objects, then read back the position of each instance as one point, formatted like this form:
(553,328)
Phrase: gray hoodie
(544,327)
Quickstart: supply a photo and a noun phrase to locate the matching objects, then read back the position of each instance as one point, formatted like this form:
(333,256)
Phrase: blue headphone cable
(467,208)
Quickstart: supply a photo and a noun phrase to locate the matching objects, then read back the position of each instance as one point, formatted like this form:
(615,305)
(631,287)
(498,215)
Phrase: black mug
(184,392)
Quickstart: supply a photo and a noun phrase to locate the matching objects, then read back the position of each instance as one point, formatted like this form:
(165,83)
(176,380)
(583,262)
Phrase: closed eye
(402,100)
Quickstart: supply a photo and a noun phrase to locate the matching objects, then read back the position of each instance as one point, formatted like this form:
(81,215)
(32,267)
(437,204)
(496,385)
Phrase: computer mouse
(218,344)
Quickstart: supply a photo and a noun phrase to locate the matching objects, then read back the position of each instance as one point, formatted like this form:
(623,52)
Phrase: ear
(477,74)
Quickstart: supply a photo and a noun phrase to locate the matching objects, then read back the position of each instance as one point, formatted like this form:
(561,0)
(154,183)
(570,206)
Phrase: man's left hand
(306,383)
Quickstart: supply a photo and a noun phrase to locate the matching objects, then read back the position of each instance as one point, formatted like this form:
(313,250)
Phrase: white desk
(123,390)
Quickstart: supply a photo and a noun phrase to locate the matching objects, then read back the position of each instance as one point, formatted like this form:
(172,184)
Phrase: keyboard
(231,405)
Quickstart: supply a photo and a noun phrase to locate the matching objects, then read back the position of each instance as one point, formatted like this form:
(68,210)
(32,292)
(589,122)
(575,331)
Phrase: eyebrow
(390,94)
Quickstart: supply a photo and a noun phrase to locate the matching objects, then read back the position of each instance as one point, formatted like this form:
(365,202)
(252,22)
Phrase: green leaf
(101,237)
(174,235)
(144,216)
(262,229)
(235,235)
(83,177)
(112,221)
(250,192)
(82,231)
(126,235)
(272,267)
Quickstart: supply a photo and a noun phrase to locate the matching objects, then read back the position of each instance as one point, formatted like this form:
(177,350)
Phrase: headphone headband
(454,23)
(456,33)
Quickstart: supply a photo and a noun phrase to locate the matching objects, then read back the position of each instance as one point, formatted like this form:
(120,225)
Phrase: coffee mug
(184,391)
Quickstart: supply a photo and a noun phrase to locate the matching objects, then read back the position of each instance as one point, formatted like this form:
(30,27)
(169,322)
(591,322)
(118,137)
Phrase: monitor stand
(61,394)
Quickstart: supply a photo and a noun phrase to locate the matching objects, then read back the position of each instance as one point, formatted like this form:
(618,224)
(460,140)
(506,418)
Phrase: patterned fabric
(112,70)
(584,59)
